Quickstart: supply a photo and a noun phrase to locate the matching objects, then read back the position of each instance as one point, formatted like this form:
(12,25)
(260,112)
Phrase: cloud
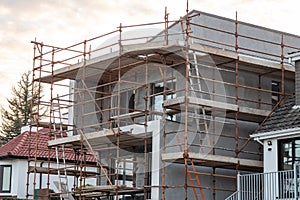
(63,22)
(59,23)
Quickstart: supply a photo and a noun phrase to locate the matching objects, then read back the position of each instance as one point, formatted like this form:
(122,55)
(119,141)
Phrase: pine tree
(17,114)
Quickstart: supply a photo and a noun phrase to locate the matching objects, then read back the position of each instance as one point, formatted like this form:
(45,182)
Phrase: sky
(64,22)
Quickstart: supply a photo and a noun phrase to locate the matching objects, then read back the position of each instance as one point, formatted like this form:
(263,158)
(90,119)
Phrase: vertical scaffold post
(166,26)
(236,95)
(146,129)
(185,151)
(163,171)
(119,113)
(31,118)
(282,67)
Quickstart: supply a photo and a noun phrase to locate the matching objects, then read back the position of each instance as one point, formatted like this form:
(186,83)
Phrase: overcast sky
(63,22)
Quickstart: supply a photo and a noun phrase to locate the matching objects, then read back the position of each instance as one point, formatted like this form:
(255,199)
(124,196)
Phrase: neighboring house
(280,137)
(14,164)
(170,117)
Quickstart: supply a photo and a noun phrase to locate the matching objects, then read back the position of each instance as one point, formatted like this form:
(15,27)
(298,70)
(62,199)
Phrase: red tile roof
(19,147)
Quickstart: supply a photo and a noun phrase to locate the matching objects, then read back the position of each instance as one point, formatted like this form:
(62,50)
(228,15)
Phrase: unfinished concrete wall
(97,105)
(244,29)
(218,83)
(84,109)
(222,145)
(208,80)
(206,182)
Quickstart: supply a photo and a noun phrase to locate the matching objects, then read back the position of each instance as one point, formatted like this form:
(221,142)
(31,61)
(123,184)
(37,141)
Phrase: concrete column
(156,164)
(71,108)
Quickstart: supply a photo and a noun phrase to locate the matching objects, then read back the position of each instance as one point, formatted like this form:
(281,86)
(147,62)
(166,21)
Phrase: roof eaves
(11,157)
(276,134)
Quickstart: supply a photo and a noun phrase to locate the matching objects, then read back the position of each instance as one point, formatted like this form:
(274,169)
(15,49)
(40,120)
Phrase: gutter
(276,134)
(258,140)
(293,57)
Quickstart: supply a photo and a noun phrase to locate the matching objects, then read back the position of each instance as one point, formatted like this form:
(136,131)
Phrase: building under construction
(166,114)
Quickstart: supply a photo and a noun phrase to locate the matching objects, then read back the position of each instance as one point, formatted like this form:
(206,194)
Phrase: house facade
(171,116)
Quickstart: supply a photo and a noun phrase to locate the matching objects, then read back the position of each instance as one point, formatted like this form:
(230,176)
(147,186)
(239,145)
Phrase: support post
(295,182)
(238,186)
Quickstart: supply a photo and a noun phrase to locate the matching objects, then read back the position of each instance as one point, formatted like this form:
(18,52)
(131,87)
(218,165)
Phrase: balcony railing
(233,196)
(284,185)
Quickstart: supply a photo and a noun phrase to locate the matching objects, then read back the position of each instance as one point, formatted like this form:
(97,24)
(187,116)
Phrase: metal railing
(233,196)
(282,185)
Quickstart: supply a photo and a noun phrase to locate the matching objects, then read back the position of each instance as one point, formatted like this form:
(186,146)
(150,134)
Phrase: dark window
(289,153)
(131,103)
(5,178)
(276,89)
(157,93)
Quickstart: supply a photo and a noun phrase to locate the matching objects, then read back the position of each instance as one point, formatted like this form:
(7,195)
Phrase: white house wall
(16,177)
(19,178)
(270,155)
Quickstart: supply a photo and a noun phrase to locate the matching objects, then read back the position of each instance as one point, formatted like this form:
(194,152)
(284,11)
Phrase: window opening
(276,89)
(5,178)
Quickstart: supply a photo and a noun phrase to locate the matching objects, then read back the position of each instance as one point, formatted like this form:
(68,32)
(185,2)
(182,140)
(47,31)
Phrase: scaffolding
(172,77)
